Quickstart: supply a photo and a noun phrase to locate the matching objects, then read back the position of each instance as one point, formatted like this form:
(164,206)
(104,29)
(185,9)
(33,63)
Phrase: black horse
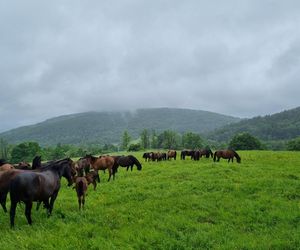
(127,161)
(185,153)
(29,186)
(37,162)
(147,156)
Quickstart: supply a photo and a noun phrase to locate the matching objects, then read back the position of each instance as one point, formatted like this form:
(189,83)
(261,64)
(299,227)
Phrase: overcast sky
(239,58)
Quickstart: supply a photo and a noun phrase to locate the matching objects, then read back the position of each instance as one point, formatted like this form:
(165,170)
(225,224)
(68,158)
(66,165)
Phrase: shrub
(245,141)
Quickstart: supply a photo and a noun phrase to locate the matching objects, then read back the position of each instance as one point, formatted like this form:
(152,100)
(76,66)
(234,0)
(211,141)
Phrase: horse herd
(41,182)
(194,154)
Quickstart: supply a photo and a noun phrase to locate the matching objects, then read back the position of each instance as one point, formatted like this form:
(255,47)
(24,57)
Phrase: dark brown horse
(207,152)
(227,154)
(185,153)
(82,166)
(29,186)
(128,161)
(171,154)
(102,163)
(147,156)
(81,186)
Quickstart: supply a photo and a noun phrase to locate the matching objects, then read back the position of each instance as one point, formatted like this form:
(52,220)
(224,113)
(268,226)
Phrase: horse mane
(54,164)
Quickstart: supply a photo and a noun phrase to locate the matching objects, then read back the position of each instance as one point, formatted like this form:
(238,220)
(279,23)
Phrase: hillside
(280,126)
(107,127)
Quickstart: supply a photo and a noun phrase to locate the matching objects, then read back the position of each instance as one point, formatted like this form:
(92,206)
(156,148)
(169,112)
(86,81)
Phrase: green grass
(175,205)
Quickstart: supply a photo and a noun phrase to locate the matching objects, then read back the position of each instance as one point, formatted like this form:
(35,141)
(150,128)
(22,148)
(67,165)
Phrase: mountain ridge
(100,127)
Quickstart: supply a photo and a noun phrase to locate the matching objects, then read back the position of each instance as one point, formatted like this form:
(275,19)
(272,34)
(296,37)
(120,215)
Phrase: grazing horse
(29,186)
(171,154)
(102,163)
(207,152)
(227,154)
(128,161)
(81,186)
(147,156)
(23,165)
(92,177)
(185,153)
(82,166)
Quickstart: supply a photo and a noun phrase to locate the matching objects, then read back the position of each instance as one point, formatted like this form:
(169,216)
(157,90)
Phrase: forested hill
(107,127)
(280,126)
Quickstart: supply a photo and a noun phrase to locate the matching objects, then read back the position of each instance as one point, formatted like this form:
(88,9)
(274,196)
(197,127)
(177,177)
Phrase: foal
(81,186)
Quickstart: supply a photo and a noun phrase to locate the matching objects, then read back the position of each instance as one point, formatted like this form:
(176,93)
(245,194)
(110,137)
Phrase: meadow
(174,205)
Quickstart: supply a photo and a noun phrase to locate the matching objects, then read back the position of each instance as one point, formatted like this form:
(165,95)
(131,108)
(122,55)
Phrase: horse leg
(28,211)
(79,202)
(127,168)
(12,213)
(3,202)
(110,173)
(52,200)
(38,205)
(131,167)
(94,184)
(229,160)
(83,201)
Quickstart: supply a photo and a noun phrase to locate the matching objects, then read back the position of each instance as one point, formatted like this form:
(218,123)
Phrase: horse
(157,156)
(102,163)
(128,161)
(81,186)
(92,177)
(82,167)
(36,162)
(6,166)
(147,156)
(23,165)
(207,152)
(29,186)
(171,154)
(185,153)
(227,154)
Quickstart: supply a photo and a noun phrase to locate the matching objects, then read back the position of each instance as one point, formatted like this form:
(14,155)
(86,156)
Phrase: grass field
(175,205)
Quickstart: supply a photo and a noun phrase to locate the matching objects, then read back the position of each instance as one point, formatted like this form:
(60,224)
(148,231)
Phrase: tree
(3,149)
(125,140)
(169,140)
(245,141)
(145,139)
(154,140)
(191,140)
(294,145)
(25,151)
(134,147)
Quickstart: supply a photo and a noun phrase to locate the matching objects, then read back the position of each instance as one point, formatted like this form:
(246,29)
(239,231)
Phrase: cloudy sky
(239,57)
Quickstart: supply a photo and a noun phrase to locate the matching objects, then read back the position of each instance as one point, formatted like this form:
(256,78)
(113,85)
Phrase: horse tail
(215,156)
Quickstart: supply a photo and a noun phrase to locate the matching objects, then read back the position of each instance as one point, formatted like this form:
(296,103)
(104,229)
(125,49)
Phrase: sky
(240,58)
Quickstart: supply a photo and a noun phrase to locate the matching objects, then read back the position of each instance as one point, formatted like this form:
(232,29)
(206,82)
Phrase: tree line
(167,139)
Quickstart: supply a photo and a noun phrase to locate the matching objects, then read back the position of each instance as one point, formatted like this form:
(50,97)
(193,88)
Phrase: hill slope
(107,127)
(280,126)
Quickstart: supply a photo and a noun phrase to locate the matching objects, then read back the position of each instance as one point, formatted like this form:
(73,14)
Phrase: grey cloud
(234,57)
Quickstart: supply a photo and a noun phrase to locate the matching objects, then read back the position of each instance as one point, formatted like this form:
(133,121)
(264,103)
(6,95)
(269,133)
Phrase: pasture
(174,205)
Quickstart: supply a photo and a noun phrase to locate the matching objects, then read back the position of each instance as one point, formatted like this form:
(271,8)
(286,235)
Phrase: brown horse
(6,166)
(82,167)
(81,186)
(102,163)
(227,154)
(171,154)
